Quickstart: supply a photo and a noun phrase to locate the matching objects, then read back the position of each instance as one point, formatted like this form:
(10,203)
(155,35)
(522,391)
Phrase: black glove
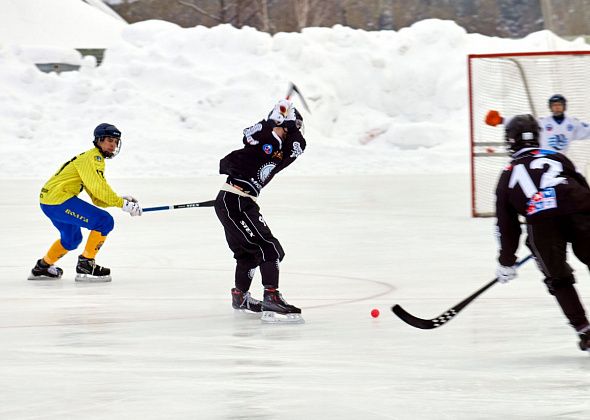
(290,125)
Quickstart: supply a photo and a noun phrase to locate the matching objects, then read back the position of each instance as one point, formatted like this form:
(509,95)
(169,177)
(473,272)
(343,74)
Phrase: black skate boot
(274,305)
(244,301)
(44,271)
(584,335)
(88,271)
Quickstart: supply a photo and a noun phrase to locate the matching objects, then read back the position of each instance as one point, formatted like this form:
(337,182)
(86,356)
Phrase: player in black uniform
(544,187)
(269,147)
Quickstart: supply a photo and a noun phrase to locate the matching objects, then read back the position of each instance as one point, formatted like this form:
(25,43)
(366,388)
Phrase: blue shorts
(73,214)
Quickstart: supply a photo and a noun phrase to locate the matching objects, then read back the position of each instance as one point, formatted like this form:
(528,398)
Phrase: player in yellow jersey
(68,213)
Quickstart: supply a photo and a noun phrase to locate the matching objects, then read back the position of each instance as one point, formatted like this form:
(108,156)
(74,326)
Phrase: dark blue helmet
(107,130)
(556,99)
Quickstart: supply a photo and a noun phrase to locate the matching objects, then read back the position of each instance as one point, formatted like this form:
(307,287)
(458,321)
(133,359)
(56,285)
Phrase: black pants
(250,239)
(548,241)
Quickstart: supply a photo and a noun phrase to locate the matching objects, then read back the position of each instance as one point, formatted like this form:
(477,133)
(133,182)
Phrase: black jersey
(264,154)
(537,184)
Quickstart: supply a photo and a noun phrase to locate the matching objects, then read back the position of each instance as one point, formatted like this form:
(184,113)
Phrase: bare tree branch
(263,13)
(310,12)
(225,7)
(201,11)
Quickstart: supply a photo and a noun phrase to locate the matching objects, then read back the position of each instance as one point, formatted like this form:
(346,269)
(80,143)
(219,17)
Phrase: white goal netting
(520,83)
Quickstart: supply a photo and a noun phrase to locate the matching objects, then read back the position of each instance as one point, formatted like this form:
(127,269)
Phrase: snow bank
(382,102)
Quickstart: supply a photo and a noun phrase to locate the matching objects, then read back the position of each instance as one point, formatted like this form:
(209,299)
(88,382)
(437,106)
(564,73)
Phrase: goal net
(520,83)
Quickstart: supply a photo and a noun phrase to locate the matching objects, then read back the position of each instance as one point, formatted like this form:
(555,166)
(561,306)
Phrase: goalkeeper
(557,130)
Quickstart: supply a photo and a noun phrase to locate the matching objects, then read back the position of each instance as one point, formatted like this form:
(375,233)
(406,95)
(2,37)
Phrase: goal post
(520,83)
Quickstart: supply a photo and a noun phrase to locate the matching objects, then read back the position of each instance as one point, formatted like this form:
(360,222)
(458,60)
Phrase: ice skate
(88,271)
(243,301)
(44,271)
(275,309)
(584,339)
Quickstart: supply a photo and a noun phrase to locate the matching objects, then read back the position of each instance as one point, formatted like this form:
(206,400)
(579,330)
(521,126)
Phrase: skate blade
(243,313)
(86,278)
(269,317)
(246,310)
(32,277)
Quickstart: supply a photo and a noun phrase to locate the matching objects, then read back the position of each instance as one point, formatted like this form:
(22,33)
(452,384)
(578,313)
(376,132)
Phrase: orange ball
(375,313)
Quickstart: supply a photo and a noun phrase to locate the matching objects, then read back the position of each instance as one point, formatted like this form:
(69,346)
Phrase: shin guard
(55,252)
(95,241)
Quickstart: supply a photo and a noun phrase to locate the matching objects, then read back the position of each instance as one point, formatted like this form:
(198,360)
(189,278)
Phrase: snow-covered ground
(58,24)
(376,212)
(381,102)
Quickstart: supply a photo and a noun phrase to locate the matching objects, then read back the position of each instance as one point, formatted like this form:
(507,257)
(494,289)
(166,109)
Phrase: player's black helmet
(107,130)
(522,131)
(556,99)
(299,121)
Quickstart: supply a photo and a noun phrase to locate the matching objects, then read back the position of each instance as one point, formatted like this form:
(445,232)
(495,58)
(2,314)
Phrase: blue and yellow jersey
(83,172)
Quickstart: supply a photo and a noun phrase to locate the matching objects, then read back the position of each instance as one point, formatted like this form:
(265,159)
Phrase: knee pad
(72,242)
(106,224)
(554,283)
(247,264)
(273,252)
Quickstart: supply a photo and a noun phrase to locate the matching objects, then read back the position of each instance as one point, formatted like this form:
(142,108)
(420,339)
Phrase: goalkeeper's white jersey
(558,137)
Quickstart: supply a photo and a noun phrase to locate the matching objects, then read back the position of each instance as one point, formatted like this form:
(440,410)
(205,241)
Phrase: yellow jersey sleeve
(85,171)
(91,166)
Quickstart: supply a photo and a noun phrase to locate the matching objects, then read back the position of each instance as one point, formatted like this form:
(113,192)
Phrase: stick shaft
(428,324)
(293,88)
(298,92)
(209,203)
(157,208)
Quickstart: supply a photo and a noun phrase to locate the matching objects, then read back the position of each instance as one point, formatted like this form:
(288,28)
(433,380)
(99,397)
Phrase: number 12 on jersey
(550,177)
(544,197)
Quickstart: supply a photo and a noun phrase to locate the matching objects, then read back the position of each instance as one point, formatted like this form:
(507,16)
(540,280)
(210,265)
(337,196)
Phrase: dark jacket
(263,156)
(537,184)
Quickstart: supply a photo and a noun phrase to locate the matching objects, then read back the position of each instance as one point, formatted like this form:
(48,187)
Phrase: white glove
(282,111)
(290,114)
(505,274)
(134,209)
(129,198)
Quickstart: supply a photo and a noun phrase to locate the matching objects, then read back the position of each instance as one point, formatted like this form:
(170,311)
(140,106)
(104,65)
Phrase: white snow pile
(58,23)
(381,102)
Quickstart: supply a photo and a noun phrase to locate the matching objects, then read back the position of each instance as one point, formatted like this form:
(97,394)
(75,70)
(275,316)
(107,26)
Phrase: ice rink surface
(162,341)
